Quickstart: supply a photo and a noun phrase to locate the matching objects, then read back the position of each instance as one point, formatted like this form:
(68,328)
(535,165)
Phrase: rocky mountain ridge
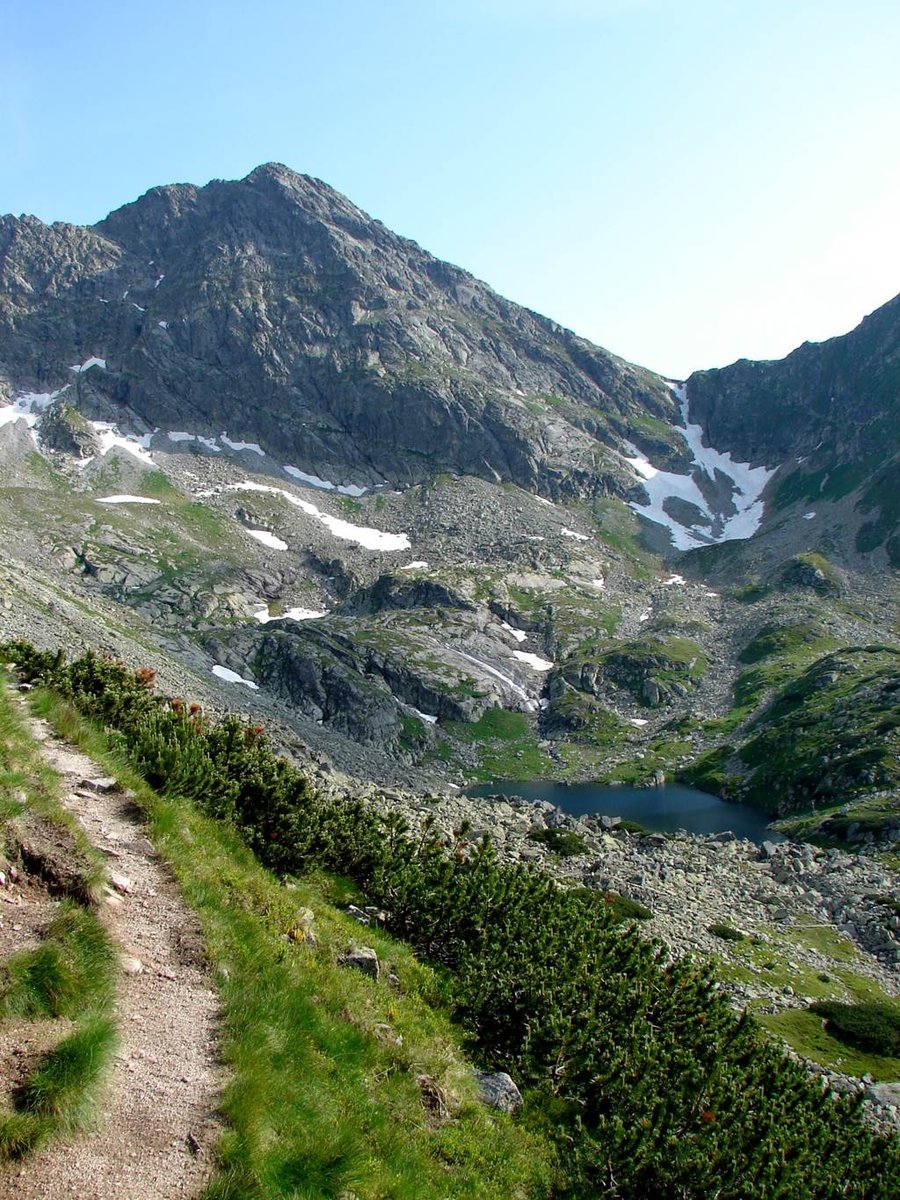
(271,314)
(275,309)
(843,391)
(830,410)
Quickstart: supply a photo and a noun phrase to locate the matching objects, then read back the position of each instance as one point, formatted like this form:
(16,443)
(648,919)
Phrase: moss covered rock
(654,670)
(811,571)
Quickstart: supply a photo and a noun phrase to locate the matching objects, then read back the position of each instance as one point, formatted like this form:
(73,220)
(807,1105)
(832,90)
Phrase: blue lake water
(662,809)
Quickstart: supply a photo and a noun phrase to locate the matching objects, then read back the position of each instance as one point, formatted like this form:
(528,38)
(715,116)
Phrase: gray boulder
(361,958)
(497,1090)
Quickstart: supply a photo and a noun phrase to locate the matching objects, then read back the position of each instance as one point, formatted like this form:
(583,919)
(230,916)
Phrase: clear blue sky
(684,183)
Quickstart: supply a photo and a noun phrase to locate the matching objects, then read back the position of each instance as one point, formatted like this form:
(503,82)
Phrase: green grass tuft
(727,932)
(63,1087)
(804,1030)
(506,745)
(72,971)
(563,842)
(874,1028)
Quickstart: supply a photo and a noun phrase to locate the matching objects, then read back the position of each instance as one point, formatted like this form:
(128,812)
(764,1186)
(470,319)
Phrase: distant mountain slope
(843,393)
(273,308)
(829,415)
(429,531)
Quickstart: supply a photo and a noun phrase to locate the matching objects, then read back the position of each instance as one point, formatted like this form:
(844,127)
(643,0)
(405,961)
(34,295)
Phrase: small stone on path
(104,783)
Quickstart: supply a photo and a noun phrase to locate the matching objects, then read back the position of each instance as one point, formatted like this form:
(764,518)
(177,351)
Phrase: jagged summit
(232,205)
(285,175)
(306,190)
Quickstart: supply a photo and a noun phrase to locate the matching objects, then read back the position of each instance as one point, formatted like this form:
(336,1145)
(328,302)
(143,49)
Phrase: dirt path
(157,1125)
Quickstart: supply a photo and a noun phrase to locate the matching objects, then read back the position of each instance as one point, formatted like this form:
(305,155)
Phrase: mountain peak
(315,197)
(286,176)
(272,306)
(271,197)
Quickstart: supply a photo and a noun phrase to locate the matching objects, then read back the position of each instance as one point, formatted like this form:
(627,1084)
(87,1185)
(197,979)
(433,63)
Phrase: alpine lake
(664,809)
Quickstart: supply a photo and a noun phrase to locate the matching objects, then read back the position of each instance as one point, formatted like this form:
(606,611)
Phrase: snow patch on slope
(216,444)
(180,436)
(230,676)
(532,660)
(431,720)
(268,539)
(510,683)
(27,407)
(238,446)
(369,539)
(125,499)
(109,438)
(324,485)
(290,614)
(738,518)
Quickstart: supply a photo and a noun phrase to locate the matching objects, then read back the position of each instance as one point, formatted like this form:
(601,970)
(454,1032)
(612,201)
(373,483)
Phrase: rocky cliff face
(843,394)
(275,309)
(272,310)
(829,416)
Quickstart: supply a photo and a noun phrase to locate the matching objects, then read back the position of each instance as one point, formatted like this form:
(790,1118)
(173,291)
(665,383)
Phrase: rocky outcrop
(63,429)
(811,571)
(393,592)
(653,670)
(359,687)
(361,958)
(498,1090)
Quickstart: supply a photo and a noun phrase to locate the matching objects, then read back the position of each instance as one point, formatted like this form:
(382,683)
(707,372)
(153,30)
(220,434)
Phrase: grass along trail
(156,1126)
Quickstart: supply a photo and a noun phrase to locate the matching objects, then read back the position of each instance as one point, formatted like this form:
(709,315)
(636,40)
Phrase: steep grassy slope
(812,731)
(337,1081)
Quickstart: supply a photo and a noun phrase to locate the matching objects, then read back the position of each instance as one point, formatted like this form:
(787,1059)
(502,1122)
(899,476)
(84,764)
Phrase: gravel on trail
(156,1127)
